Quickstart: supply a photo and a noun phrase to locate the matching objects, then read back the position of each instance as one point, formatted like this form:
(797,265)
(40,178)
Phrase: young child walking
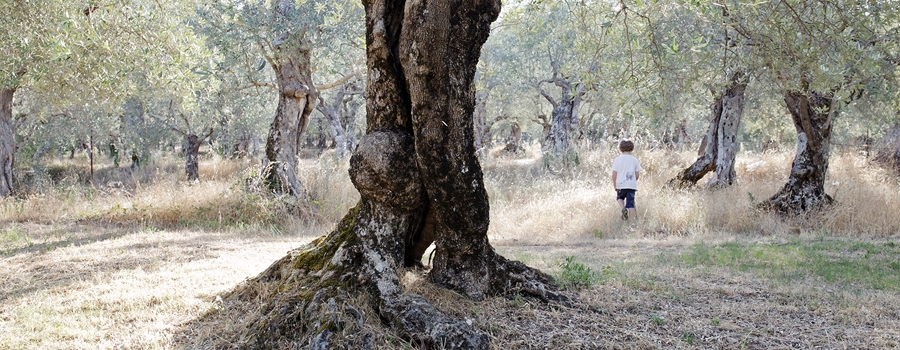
(626,170)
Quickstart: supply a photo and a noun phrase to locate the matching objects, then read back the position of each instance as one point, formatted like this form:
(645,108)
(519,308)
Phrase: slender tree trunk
(90,154)
(482,129)
(514,141)
(340,130)
(720,142)
(7,142)
(192,157)
(227,151)
(192,143)
(811,112)
(296,100)
(341,146)
(348,117)
(419,180)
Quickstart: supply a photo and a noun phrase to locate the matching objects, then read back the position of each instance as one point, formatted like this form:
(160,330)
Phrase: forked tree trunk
(341,127)
(721,144)
(563,120)
(191,146)
(811,112)
(297,97)
(419,179)
(7,142)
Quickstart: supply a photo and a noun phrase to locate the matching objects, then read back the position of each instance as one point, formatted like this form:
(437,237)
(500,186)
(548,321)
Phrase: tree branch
(207,134)
(340,81)
(170,126)
(254,84)
(544,93)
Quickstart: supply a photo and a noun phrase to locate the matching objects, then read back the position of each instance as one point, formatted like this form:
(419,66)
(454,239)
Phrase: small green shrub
(575,274)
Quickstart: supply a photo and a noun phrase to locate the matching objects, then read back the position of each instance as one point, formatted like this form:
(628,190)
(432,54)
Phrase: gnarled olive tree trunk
(297,97)
(440,44)
(419,180)
(192,144)
(811,112)
(564,118)
(721,144)
(7,142)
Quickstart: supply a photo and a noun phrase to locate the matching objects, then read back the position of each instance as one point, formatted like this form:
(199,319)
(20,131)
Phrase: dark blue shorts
(628,195)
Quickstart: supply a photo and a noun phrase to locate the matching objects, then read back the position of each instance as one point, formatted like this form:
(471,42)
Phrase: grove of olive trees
(446,84)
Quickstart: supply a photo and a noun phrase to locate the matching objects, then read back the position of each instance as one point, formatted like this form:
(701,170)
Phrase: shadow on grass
(101,252)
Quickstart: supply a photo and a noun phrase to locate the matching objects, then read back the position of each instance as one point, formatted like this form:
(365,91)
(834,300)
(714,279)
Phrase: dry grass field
(138,260)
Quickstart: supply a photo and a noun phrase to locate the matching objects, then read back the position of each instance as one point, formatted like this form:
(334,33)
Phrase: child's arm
(637,175)
(614,179)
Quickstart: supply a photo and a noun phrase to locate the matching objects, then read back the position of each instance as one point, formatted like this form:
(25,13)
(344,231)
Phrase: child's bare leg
(632,213)
(621,203)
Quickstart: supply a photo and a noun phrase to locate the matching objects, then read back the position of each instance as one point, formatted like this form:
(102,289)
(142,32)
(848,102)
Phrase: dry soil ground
(76,286)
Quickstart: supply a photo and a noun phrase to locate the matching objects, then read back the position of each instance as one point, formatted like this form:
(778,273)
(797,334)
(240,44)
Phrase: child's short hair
(626,146)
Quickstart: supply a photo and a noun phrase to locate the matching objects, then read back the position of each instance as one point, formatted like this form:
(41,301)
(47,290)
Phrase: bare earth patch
(118,288)
(77,287)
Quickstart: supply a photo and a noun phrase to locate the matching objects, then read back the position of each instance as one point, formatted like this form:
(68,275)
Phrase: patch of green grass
(12,238)
(657,320)
(688,337)
(575,274)
(865,265)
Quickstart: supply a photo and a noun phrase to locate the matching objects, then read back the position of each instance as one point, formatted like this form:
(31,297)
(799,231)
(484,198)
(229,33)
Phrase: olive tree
(419,180)
(820,55)
(282,35)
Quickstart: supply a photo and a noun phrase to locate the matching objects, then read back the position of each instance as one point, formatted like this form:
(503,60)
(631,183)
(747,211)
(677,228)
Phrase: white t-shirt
(626,167)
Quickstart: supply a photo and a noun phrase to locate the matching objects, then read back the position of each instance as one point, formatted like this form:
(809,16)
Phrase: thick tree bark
(7,142)
(721,144)
(419,181)
(297,97)
(440,82)
(811,112)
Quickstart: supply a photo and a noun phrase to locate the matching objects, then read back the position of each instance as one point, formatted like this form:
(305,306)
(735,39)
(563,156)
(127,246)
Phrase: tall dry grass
(530,203)
(158,195)
(533,204)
